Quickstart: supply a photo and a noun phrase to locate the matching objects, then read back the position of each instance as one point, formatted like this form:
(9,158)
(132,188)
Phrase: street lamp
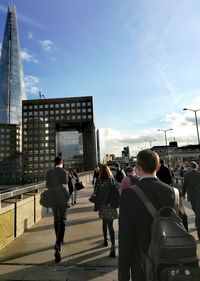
(150,141)
(195,112)
(165,132)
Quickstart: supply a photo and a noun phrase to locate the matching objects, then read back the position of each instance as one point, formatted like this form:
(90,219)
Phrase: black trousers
(59,214)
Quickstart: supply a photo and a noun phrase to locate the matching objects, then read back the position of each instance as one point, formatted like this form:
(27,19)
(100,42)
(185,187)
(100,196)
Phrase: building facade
(42,123)
(12,89)
(10,154)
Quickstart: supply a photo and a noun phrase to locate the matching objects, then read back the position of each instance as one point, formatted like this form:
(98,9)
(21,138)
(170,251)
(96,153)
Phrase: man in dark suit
(135,220)
(164,174)
(56,177)
(190,186)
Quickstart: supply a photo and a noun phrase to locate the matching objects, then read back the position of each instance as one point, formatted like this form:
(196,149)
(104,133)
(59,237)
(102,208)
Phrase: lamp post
(150,141)
(195,112)
(165,132)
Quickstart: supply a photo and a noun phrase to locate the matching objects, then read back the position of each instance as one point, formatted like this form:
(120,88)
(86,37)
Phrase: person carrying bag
(57,197)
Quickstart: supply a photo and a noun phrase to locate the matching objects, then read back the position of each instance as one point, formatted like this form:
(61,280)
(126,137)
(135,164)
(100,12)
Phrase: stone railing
(20,208)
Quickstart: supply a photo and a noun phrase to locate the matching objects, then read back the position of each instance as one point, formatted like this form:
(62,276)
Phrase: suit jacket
(135,222)
(191,180)
(164,174)
(56,177)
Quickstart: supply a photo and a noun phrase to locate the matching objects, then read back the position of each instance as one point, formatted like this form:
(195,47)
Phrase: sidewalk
(30,257)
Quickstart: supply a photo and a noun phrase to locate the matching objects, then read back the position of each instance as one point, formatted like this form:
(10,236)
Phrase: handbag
(54,197)
(79,185)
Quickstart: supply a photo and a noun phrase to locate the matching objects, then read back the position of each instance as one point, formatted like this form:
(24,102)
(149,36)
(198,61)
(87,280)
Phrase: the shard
(12,89)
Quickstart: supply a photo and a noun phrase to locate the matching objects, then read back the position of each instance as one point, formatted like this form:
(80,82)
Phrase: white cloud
(47,45)
(184,132)
(26,56)
(31,84)
(30,35)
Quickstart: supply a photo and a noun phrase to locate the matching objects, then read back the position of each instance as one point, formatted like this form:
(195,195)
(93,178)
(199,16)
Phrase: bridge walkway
(30,257)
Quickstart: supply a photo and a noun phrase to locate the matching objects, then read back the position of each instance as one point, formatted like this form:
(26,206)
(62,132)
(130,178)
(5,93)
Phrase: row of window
(9,142)
(57,105)
(62,118)
(33,171)
(57,112)
(38,145)
(41,158)
(4,154)
(42,151)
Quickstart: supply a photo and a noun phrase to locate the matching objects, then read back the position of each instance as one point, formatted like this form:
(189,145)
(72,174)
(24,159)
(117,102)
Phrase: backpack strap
(150,207)
(176,199)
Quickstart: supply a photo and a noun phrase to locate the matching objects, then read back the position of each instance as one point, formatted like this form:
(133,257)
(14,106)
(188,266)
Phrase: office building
(54,127)
(12,89)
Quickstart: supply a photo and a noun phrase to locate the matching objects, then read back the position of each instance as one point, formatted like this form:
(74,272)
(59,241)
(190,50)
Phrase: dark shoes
(105,243)
(112,252)
(57,256)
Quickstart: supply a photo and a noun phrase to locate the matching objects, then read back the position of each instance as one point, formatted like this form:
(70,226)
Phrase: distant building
(12,89)
(44,121)
(178,155)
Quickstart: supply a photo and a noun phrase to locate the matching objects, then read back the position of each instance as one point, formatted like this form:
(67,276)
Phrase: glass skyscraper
(12,88)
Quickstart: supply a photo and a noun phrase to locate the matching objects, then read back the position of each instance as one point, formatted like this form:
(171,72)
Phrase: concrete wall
(7,222)
(17,215)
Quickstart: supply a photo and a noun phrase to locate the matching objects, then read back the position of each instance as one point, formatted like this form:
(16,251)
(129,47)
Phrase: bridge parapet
(20,208)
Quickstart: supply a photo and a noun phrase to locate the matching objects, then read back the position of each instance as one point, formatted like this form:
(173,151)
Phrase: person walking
(191,186)
(164,174)
(58,177)
(129,180)
(107,213)
(135,220)
(73,178)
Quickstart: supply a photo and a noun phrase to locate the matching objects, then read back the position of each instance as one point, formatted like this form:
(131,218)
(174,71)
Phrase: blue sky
(140,60)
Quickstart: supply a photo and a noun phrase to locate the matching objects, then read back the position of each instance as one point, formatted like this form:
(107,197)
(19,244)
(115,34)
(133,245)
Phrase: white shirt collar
(147,176)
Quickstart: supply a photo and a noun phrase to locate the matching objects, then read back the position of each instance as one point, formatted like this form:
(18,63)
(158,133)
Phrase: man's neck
(60,165)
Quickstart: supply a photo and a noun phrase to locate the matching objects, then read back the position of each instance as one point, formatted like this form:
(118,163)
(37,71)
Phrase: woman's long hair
(105,172)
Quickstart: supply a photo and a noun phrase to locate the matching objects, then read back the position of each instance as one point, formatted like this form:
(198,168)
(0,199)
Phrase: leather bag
(79,185)
(55,197)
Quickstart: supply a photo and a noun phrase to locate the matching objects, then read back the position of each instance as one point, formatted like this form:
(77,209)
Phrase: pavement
(31,256)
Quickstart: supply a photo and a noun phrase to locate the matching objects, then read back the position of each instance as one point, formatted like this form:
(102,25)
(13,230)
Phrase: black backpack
(119,175)
(172,250)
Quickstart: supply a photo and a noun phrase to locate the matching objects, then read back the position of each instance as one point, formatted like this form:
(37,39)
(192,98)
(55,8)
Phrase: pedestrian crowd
(116,188)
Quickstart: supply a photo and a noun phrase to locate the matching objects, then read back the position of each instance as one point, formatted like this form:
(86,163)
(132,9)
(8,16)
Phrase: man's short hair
(58,160)
(162,162)
(193,165)
(129,169)
(148,160)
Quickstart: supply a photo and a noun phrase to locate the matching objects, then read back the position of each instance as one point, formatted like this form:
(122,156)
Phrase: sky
(140,60)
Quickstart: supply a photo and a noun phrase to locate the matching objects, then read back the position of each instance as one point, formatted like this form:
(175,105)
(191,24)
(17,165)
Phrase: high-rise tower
(12,89)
